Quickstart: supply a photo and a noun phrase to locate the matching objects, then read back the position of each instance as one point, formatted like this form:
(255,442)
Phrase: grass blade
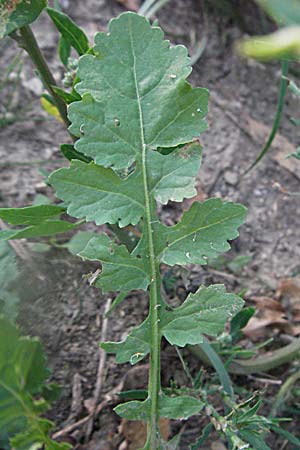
(218,366)
(276,123)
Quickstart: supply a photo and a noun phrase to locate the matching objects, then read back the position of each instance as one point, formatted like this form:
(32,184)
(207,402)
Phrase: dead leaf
(256,326)
(132,5)
(289,292)
(135,432)
(218,445)
(259,132)
(265,302)
(199,197)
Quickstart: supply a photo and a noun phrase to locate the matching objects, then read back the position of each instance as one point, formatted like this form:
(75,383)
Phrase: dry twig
(100,372)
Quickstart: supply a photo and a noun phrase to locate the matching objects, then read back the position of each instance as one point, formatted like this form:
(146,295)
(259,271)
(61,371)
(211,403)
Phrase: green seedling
(136,103)
(136,123)
(24,392)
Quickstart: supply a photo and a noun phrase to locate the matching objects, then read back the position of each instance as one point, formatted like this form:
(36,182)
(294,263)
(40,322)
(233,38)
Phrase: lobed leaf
(181,407)
(121,271)
(134,347)
(98,194)
(136,79)
(18,13)
(202,232)
(205,312)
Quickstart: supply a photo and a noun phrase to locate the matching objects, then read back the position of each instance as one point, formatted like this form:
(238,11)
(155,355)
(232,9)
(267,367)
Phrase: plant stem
(283,392)
(154,371)
(27,41)
(278,115)
(150,218)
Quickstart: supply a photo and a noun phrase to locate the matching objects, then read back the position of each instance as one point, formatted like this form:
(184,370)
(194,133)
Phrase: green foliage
(116,104)
(79,241)
(237,264)
(70,153)
(181,407)
(239,321)
(73,36)
(138,119)
(121,271)
(8,275)
(30,215)
(23,376)
(285,12)
(18,13)
(38,221)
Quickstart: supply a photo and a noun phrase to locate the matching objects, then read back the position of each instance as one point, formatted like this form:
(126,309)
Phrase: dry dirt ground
(58,304)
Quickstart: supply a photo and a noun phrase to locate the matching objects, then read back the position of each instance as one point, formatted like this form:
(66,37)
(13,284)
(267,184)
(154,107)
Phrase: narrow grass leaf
(72,34)
(30,215)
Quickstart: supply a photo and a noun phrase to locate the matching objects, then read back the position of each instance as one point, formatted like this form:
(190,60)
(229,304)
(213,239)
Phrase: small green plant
(24,392)
(137,119)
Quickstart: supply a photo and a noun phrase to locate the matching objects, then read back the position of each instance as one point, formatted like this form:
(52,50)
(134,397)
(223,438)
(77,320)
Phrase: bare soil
(57,302)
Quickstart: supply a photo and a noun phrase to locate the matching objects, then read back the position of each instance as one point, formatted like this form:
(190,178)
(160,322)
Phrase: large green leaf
(18,13)
(285,12)
(121,271)
(134,76)
(99,194)
(202,232)
(205,312)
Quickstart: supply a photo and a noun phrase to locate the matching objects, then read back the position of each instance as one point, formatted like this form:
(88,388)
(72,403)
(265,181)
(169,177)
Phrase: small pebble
(231,178)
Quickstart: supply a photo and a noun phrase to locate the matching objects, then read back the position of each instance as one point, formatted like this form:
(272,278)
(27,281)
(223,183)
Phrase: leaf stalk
(154,385)
(26,40)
